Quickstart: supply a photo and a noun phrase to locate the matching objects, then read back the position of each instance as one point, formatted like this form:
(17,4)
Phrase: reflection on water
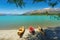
(57,17)
(14,22)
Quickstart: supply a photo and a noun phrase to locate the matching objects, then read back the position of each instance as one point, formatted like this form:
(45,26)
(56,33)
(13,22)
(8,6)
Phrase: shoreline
(12,34)
(8,35)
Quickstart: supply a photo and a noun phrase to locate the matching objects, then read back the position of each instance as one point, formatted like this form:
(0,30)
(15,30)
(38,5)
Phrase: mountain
(44,11)
(11,14)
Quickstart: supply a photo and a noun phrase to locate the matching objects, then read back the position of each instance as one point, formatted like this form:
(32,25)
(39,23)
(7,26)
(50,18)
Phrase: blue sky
(12,9)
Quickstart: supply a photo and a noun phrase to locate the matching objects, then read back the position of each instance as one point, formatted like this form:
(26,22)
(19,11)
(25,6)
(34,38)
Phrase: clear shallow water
(14,22)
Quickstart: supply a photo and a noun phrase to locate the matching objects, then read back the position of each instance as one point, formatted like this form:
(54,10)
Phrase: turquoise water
(14,22)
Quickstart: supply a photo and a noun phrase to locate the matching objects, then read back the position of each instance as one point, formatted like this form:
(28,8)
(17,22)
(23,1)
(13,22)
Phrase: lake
(14,22)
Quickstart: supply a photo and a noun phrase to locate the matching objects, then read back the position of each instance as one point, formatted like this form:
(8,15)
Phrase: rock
(36,36)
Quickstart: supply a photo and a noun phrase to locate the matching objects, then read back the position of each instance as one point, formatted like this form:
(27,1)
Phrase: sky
(8,8)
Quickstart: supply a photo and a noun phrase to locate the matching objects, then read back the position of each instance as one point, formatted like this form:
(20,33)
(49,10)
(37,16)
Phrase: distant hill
(44,11)
(1,14)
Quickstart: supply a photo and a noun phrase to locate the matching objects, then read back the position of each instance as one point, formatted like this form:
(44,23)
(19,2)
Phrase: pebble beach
(12,35)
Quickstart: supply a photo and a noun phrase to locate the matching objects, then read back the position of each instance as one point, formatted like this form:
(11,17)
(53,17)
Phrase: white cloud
(51,8)
(13,11)
(48,8)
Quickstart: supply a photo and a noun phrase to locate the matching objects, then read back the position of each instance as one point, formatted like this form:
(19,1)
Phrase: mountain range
(37,12)
(44,11)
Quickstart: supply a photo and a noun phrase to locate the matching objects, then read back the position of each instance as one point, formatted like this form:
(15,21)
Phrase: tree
(21,3)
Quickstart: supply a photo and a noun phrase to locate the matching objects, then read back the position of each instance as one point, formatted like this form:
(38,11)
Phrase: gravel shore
(12,35)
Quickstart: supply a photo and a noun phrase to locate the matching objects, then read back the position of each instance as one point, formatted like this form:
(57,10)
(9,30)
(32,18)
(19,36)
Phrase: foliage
(18,3)
(21,3)
(38,1)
